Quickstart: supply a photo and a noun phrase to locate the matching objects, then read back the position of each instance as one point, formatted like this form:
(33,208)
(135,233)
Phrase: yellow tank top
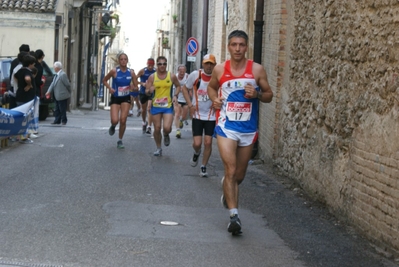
(163,92)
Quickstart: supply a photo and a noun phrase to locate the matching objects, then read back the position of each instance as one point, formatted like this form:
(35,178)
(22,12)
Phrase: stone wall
(338,130)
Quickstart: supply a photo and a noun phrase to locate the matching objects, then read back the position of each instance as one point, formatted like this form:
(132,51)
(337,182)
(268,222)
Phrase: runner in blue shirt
(124,80)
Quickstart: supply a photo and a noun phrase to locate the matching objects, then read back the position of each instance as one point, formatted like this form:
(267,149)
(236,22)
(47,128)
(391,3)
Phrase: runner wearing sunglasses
(160,86)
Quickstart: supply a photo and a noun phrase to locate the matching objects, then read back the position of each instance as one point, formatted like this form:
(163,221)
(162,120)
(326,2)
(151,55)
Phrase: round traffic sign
(192,46)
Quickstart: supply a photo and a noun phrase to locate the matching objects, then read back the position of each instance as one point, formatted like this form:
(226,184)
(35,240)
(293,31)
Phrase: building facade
(333,124)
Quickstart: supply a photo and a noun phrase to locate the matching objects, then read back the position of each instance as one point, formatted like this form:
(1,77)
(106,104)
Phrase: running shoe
(148,132)
(26,141)
(186,122)
(111,130)
(178,134)
(130,113)
(138,113)
(33,136)
(194,159)
(158,152)
(145,127)
(234,227)
(120,145)
(166,140)
(181,124)
(203,172)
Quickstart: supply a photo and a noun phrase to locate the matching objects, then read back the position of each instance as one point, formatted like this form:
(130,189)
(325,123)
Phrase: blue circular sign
(192,46)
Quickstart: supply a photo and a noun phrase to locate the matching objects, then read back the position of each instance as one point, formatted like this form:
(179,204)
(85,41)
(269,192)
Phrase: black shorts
(200,126)
(119,100)
(144,98)
(182,104)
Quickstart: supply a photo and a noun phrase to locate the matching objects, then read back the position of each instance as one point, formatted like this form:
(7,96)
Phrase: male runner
(143,74)
(236,87)
(202,111)
(181,108)
(159,85)
(134,98)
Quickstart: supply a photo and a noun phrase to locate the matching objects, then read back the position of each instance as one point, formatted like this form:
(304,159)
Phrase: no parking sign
(192,46)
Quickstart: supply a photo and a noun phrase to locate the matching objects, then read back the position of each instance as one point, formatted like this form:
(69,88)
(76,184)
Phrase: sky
(139,22)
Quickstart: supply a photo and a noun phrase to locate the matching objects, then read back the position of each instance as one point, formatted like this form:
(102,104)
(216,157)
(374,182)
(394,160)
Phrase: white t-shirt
(13,80)
(180,97)
(201,100)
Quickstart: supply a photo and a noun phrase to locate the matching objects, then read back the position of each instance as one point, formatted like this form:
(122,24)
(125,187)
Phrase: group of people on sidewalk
(26,79)
(222,99)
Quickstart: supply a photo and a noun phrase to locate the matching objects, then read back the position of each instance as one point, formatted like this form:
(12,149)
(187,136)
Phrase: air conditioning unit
(93,3)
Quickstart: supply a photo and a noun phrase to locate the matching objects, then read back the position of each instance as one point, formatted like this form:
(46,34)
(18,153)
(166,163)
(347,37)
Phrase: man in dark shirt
(15,62)
(23,48)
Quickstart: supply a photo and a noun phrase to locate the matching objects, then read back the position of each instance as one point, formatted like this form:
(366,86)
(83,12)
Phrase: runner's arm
(176,83)
(187,96)
(265,94)
(139,74)
(213,87)
(106,79)
(149,85)
(135,86)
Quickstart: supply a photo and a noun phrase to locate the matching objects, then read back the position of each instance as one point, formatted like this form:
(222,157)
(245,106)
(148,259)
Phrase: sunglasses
(162,64)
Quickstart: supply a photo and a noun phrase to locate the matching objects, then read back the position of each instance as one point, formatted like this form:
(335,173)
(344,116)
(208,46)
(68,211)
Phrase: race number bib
(123,90)
(161,102)
(202,95)
(239,111)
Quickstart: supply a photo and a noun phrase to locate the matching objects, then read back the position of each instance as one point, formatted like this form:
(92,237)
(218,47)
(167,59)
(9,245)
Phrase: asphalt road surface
(73,199)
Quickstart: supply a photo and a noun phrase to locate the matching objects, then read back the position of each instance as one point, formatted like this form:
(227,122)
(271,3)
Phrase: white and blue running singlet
(143,78)
(121,83)
(238,113)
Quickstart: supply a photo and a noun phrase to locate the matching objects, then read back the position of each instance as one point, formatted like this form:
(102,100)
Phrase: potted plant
(165,42)
(174,17)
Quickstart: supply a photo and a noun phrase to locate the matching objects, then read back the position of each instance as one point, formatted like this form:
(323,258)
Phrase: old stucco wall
(35,29)
(338,133)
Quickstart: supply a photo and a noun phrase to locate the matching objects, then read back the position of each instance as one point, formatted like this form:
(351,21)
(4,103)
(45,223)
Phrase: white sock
(233,211)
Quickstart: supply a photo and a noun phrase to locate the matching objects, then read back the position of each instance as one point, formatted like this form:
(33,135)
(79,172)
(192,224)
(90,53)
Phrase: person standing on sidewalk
(144,74)
(62,92)
(124,80)
(159,85)
(181,108)
(236,87)
(203,121)
(25,82)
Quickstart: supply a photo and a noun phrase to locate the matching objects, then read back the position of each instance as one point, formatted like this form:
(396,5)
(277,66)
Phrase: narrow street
(73,199)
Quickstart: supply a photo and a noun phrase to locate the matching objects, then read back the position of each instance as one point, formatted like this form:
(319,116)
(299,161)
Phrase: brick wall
(338,120)
(333,124)
(273,60)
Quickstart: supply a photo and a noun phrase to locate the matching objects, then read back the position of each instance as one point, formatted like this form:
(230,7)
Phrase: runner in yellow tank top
(162,99)
(160,85)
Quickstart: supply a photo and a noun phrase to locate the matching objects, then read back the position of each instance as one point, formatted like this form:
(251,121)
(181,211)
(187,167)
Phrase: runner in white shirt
(201,109)
(180,108)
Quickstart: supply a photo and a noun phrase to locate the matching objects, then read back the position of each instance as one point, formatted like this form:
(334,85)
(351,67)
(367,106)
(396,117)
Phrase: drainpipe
(258,38)
(189,24)
(204,45)
(89,57)
(70,17)
(80,52)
